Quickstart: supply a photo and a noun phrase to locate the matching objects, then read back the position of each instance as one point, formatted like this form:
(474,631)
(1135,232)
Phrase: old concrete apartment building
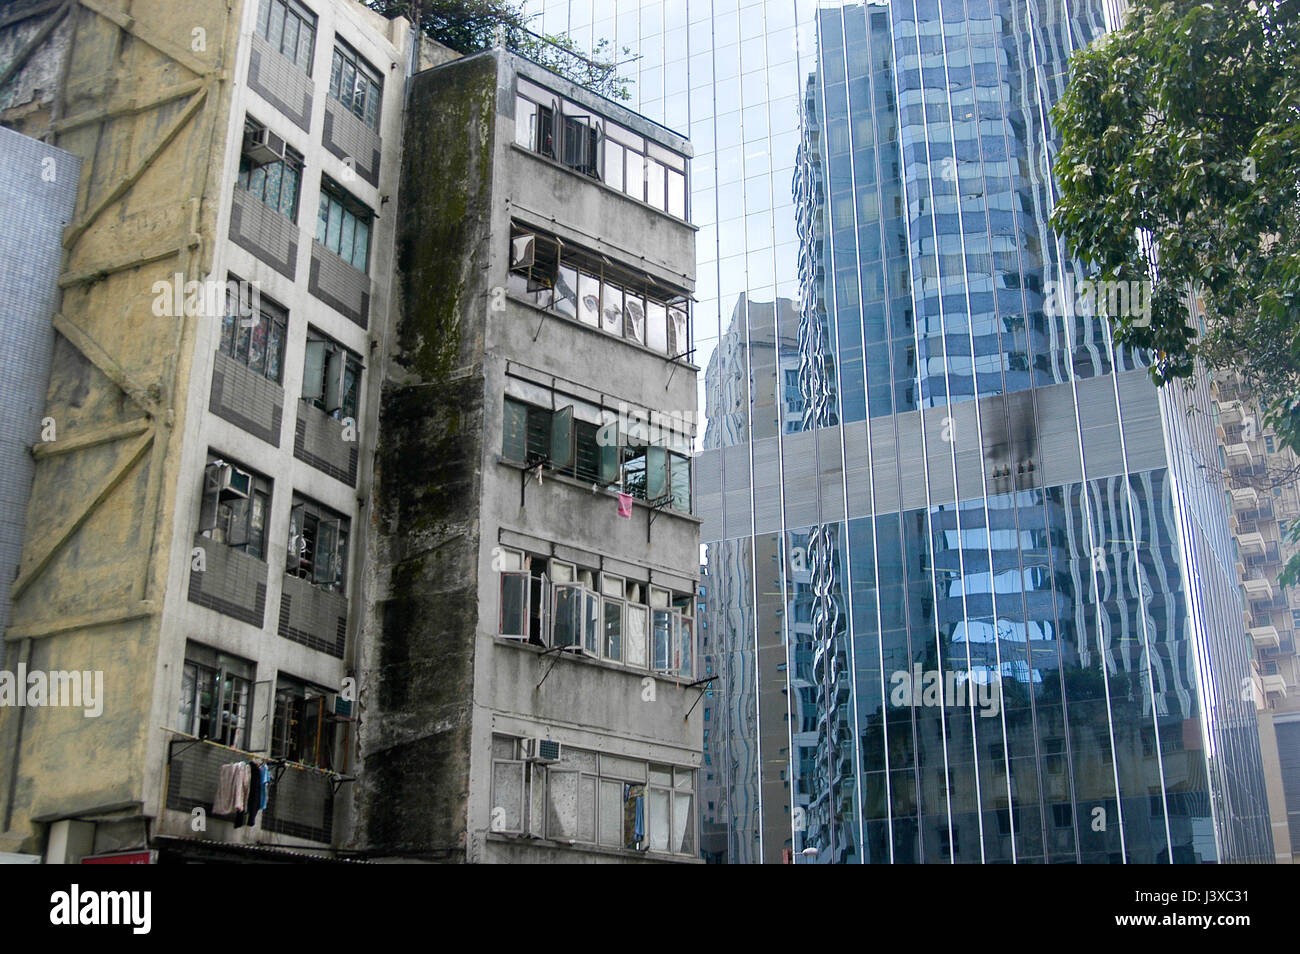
(1259,479)
(352,356)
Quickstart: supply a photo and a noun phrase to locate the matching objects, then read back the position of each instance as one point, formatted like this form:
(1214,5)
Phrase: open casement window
(569,615)
(331,378)
(582,137)
(234,507)
(534,266)
(636,636)
(317,546)
(562,437)
(516,591)
(215,696)
(302,730)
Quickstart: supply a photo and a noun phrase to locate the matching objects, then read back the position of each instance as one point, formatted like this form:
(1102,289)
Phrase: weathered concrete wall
(89,591)
(417,693)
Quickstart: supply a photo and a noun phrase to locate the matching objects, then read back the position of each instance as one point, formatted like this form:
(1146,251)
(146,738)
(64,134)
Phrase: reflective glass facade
(968,595)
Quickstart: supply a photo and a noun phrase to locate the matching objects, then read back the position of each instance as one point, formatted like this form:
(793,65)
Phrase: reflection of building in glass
(971,484)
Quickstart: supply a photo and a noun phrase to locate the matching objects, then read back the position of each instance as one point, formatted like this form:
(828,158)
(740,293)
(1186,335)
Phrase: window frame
(302,15)
(237,338)
(333,197)
(337,362)
(224,673)
(254,179)
(326,525)
(346,62)
(234,522)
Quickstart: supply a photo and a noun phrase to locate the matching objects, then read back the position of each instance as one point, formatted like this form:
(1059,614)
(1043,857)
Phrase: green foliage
(470,26)
(1181,131)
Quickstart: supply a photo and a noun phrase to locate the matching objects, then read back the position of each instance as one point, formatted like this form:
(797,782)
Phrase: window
(331,378)
(635,451)
(594,799)
(581,284)
(553,603)
(591,145)
(302,730)
(234,506)
(356,84)
(215,692)
(289,27)
(253,331)
(318,545)
(343,225)
(276,182)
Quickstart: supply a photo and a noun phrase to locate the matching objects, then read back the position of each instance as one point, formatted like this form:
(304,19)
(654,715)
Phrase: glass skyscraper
(970,596)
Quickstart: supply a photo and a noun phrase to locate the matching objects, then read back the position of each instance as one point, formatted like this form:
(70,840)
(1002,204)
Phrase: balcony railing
(300,801)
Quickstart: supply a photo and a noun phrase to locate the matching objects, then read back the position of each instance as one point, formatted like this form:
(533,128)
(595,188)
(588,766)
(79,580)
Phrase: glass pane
(677,340)
(587,809)
(189,686)
(635,636)
(614,164)
(514,440)
(662,640)
(634,318)
(588,300)
(634,185)
(507,796)
(561,805)
(514,604)
(680,482)
(524,114)
(289,192)
(275,30)
(275,350)
(654,183)
(566,292)
(289,45)
(306,41)
(676,194)
(372,104)
(611,309)
(346,235)
(257,347)
(347,84)
(683,823)
(336,74)
(685,647)
(614,629)
(362,245)
(322,218)
(264,17)
(657,326)
(610,831)
(568,616)
(658,811)
(591,623)
(336,226)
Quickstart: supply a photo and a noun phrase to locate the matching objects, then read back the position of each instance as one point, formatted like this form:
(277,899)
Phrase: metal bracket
(554,649)
(535,462)
(695,685)
(656,507)
(674,359)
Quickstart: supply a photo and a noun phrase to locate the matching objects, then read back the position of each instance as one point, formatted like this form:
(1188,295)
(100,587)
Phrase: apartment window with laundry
(303,725)
(318,545)
(356,84)
(587,286)
(289,27)
(270,170)
(234,506)
(343,224)
(216,690)
(331,378)
(254,330)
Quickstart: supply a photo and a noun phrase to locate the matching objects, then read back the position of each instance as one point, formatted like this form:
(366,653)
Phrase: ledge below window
(585,486)
(530,841)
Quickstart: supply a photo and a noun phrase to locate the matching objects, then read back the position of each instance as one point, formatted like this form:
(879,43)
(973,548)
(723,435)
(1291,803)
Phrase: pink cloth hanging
(625,505)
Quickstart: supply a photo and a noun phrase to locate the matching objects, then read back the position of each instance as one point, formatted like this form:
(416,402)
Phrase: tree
(1180,164)
(469,26)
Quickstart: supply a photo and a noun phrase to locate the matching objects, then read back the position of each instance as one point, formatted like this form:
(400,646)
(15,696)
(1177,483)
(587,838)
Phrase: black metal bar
(554,649)
(693,685)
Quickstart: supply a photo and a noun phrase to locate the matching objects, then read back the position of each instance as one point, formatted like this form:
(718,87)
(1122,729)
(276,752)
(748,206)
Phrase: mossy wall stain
(428,474)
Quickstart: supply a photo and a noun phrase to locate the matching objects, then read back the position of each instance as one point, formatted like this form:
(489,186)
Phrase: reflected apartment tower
(979,604)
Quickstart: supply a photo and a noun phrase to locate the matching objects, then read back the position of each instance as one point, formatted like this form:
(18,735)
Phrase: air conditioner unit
(541,750)
(233,483)
(262,146)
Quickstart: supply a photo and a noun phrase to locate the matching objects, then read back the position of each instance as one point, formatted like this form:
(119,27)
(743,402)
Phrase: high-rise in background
(912,465)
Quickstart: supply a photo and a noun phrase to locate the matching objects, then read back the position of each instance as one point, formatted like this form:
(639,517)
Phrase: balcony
(1251,544)
(1239,455)
(1275,685)
(300,802)
(1258,589)
(1265,637)
(1245,499)
(1229,412)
